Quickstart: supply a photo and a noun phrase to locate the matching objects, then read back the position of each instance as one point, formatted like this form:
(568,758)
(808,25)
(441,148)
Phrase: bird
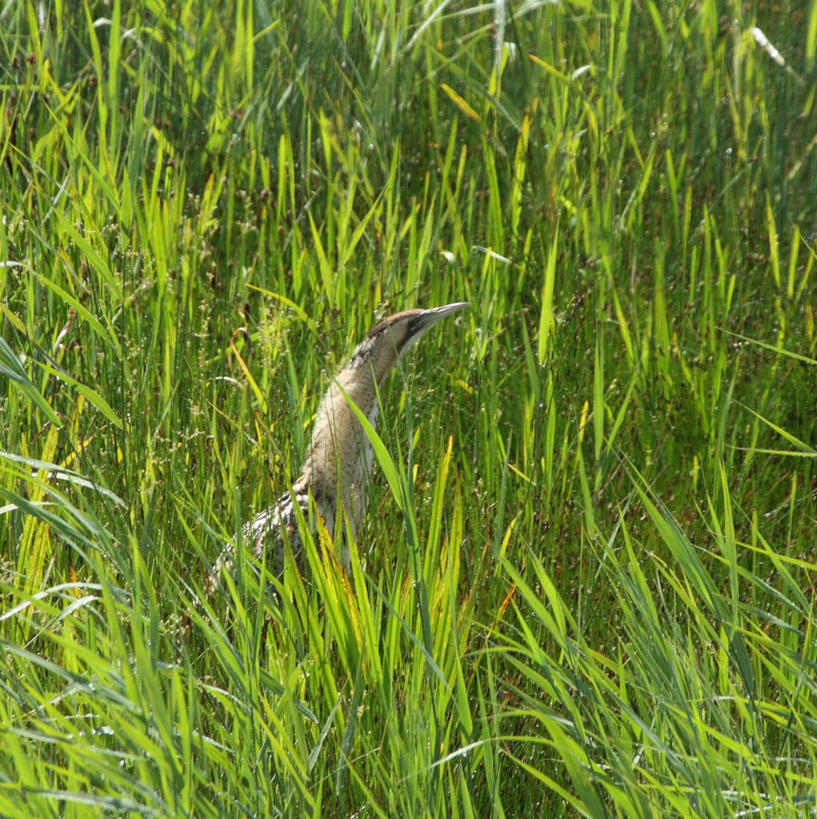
(338,462)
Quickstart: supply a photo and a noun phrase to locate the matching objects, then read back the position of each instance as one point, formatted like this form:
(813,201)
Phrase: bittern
(339,459)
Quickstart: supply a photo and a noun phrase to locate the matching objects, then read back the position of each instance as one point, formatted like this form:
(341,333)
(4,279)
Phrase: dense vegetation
(587,585)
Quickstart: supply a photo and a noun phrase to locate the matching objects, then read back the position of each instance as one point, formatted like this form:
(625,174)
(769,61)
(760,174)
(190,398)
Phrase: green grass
(587,583)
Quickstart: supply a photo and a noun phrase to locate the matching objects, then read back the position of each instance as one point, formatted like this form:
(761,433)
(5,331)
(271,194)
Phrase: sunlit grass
(586,583)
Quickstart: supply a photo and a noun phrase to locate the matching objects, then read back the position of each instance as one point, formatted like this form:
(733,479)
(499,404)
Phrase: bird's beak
(430,317)
(421,322)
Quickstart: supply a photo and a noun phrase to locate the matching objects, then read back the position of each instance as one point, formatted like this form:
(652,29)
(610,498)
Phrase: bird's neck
(340,453)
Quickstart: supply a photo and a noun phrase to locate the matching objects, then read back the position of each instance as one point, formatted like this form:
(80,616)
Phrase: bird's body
(339,459)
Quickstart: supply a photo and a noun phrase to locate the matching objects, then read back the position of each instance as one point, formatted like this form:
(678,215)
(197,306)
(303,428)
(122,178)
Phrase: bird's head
(390,340)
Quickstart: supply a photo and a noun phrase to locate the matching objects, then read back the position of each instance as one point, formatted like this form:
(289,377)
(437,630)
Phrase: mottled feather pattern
(267,533)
